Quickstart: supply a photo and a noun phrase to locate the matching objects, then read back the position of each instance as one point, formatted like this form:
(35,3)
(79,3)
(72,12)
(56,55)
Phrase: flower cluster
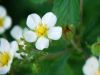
(38,30)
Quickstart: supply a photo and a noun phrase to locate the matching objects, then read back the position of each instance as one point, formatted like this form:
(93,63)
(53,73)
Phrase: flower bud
(95,48)
(69,32)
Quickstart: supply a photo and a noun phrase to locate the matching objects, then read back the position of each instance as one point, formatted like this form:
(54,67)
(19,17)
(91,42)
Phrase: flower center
(4,58)
(41,30)
(1,22)
(98,73)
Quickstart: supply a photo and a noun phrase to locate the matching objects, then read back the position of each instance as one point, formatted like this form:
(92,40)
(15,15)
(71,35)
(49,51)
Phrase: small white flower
(17,33)
(41,30)
(5,20)
(7,53)
(91,67)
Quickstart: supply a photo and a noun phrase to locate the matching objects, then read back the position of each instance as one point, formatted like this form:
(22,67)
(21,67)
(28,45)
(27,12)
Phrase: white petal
(30,36)
(42,43)
(88,70)
(7,22)
(16,32)
(4,70)
(3,12)
(49,19)
(2,30)
(91,66)
(14,46)
(93,62)
(4,44)
(55,33)
(33,20)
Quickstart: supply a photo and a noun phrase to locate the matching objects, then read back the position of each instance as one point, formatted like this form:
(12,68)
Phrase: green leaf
(57,66)
(91,21)
(67,11)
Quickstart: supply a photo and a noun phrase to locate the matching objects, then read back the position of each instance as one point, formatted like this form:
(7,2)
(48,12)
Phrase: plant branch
(75,46)
(52,56)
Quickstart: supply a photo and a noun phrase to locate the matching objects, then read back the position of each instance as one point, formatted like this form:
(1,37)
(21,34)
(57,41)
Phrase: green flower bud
(69,32)
(95,48)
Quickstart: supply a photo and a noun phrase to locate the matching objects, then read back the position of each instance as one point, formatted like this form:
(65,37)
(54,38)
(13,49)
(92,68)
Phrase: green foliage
(58,66)
(62,57)
(67,11)
(91,23)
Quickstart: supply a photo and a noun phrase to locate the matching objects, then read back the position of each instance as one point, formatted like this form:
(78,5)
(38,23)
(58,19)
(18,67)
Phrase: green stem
(52,56)
(75,46)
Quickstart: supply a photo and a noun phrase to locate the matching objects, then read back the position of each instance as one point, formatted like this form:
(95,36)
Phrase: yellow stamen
(41,30)
(4,58)
(1,22)
(98,73)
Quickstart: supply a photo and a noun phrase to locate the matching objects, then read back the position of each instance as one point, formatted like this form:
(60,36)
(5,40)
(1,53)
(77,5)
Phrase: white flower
(5,20)
(17,33)
(91,67)
(41,30)
(7,53)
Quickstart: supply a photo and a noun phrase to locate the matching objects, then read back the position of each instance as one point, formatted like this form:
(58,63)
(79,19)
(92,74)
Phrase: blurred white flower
(5,20)
(41,30)
(7,53)
(17,33)
(91,67)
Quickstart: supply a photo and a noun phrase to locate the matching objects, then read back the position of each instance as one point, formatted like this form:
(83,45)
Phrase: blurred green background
(63,58)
